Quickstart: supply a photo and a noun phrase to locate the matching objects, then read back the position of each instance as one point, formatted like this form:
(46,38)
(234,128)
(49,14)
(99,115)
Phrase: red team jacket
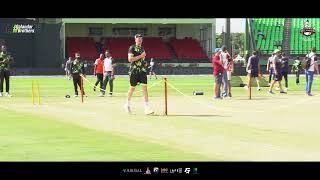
(217,66)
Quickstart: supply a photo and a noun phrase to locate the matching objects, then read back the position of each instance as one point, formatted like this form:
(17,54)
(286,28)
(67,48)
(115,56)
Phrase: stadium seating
(272,28)
(154,46)
(84,45)
(300,44)
(188,48)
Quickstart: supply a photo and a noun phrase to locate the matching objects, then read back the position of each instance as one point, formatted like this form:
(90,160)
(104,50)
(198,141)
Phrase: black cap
(137,35)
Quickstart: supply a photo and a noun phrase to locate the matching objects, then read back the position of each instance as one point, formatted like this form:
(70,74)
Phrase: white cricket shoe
(1,94)
(127,108)
(148,111)
(8,95)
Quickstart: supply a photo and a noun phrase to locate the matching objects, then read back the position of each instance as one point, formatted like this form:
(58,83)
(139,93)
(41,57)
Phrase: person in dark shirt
(77,69)
(5,60)
(138,74)
(253,69)
(285,69)
(277,77)
(296,68)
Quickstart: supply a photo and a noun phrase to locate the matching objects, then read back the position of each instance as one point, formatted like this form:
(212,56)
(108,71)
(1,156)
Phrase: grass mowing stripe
(26,137)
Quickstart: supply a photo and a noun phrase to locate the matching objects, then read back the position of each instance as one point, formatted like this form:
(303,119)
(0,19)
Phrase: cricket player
(253,69)
(98,71)
(108,73)
(5,60)
(270,68)
(285,69)
(77,69)
(296,68)
(138,74)
(67,68)
(277,77)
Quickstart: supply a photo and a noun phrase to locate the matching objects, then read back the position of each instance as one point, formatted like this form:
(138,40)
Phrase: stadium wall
(182,30)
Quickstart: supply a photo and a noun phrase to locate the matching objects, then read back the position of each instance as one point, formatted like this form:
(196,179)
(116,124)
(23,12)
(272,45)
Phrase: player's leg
(275,79)
(154,73)
(297,78)
(104,84)
(258,82)
(96,83)
(225,84)
(75,85)
(79,84)
(143,79)
(133,83)
(1,82)
(110,84)
(217,85)
(285,75)
(7,79)
(100,80)
(270,75)
(249,78)
(229,83)
(309,82)
(279,82)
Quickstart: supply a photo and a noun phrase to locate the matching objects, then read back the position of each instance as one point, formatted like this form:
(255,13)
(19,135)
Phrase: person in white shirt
(311,69)
(225,58)
(108,73)
(152,68)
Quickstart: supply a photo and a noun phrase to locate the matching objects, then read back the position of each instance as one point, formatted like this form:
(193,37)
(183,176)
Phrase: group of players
(278,67)
(104,70)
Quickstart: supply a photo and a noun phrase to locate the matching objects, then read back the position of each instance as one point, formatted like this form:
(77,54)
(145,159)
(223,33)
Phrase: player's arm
(132,58)
(316,67)
(248,65)
(95,67)
(113,67)
(275,66)
(268,64)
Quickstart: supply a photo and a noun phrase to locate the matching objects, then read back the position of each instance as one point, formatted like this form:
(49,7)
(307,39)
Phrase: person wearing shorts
(277,77)
(137,74)
(253,69)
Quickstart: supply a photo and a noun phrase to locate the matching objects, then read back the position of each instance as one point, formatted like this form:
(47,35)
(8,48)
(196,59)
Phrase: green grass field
(281,127)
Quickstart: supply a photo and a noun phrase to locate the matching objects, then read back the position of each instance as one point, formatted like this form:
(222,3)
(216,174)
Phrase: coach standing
(217,73)
(5,61)
(313,67)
